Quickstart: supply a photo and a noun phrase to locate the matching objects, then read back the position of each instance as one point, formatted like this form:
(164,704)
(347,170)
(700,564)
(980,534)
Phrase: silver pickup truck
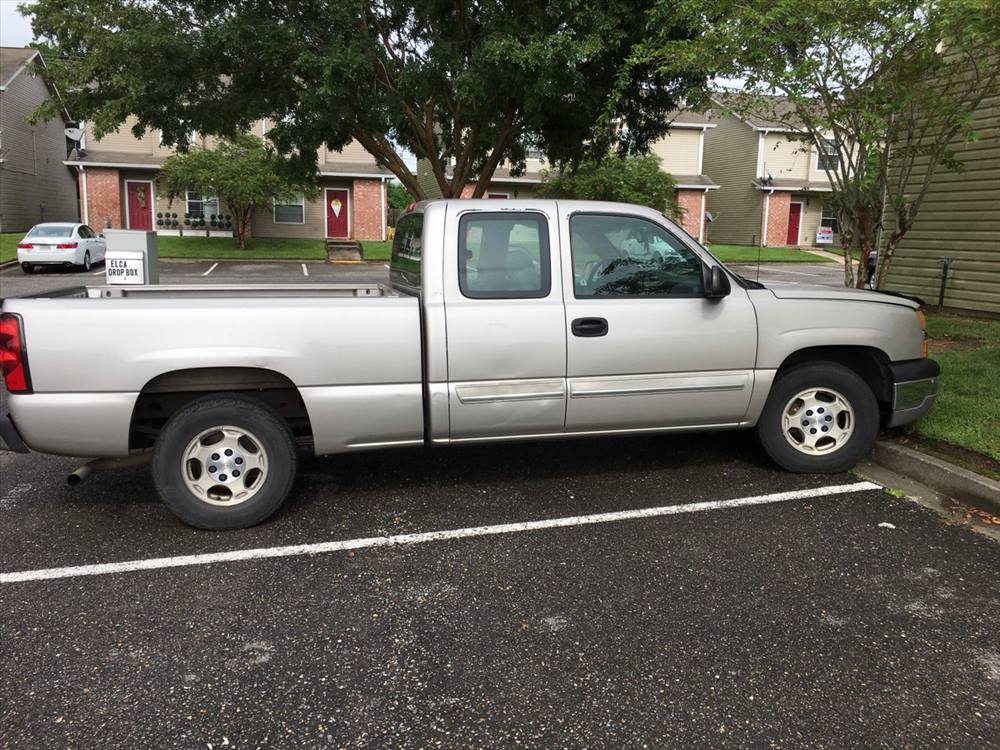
(503,320)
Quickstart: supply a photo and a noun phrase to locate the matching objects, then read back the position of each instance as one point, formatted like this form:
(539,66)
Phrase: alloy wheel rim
(224,465)
(818,421)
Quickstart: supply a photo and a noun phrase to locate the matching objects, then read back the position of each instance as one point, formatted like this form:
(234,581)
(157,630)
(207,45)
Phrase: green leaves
(243,172)
(633,179)
(466,85)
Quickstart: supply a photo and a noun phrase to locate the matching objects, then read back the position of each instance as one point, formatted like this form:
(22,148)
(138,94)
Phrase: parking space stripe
(214,266)
(305,271)
(429,536)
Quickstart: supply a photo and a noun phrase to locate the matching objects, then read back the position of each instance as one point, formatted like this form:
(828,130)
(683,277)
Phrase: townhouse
(118,188)
(681,151)
(773,184)
(35,186)
(958,223)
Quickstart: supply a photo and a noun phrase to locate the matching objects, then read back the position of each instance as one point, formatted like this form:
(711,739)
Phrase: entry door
(646,350)
(794,220)
(506,326)
(139,196)
(337,212)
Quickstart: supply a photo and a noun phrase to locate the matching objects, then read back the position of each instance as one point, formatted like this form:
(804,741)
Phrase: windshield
(53,230)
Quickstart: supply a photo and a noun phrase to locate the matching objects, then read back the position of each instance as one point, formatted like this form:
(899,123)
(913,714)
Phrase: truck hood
(817,291)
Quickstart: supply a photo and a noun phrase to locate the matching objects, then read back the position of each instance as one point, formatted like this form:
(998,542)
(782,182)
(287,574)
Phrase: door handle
(589,327)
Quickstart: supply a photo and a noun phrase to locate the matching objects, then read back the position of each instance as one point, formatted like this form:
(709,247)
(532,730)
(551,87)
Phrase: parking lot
(640,592)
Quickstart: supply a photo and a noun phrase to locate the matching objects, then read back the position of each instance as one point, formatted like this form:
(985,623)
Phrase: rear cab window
(504,255)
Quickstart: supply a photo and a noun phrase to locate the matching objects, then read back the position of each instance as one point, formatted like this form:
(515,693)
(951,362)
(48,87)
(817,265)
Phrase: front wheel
(819,417)
(224,462)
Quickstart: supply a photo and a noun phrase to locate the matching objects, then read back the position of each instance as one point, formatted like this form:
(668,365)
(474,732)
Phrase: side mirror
(716,282)
(100,236)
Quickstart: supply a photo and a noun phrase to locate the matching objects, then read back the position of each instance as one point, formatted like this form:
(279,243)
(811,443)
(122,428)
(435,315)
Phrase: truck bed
(353,352)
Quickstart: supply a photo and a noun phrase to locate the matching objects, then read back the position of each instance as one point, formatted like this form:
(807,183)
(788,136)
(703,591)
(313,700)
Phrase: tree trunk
(862,275)
(846,242)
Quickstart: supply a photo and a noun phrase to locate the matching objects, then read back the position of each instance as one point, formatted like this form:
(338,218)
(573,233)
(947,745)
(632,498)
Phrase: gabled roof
(688,119)
(12,61)
(784,121)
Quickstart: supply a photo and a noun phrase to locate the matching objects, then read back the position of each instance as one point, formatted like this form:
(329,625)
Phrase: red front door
(140,205)
(794,219)
(337,208)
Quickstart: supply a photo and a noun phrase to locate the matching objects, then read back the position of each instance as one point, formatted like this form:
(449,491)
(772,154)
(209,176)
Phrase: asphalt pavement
(671,591)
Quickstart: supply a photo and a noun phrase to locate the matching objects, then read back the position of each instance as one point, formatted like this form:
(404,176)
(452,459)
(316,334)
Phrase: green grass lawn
(226,247)
(8,245)
(748,254)
(967,411)
(374,250)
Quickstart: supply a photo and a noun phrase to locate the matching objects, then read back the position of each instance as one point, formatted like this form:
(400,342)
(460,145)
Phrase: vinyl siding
(731,161)
(678,150)
(960,219)
(35,185)
(786,158)
(315,216)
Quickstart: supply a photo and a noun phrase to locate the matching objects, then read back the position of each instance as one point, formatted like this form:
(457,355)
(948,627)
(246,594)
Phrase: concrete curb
(954,481)
(8,264)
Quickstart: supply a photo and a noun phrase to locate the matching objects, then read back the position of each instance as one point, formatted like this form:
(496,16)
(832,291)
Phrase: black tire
(213,411)
(835,377)
(86,261)
(27,268)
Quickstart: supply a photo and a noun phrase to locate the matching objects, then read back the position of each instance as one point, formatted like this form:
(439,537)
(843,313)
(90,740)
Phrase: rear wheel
(27,268)
(224,462)
(819,417)
(86,261)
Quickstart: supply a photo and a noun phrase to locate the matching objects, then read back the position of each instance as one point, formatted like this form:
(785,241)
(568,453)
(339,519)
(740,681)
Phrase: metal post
(945,265)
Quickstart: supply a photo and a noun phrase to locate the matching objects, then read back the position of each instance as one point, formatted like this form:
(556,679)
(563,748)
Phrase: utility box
(131,257)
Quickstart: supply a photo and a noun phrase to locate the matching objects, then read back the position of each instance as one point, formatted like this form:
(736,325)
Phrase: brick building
(118,188)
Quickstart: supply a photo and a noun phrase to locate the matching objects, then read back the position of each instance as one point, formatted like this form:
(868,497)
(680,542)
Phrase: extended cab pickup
(503,320)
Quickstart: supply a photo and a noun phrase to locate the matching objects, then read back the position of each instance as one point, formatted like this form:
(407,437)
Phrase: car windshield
(53,230)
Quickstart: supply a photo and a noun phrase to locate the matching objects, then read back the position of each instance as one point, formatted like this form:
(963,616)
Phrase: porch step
(343,250)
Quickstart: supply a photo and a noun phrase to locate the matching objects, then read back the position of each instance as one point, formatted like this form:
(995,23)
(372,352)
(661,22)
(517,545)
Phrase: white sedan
(57,244)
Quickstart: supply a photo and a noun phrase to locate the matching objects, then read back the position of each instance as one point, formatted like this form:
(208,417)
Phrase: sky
(15,29)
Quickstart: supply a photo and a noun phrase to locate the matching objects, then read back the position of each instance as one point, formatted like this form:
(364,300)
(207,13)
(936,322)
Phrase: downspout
(385,214)
(701,229)
(767,208)
(85,207)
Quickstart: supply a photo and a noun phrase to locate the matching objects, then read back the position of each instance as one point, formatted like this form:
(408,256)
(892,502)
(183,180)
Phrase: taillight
(24,245)
(66,246)
(13,358)
(922,322)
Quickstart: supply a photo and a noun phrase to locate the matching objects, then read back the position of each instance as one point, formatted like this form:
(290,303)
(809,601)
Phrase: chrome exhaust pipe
(82,473)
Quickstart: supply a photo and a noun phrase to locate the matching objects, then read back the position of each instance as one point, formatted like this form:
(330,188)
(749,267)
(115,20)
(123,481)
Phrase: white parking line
(429,536)
(98,273)
(214,265)
(305,271)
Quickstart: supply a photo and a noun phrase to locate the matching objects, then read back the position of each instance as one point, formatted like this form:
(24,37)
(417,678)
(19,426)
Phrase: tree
(886,84)
(399,196)
(632,179)
(464,84)
(243,172)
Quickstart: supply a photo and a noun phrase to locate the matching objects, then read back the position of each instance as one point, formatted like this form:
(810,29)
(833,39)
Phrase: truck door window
(627,256)
(503,255)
